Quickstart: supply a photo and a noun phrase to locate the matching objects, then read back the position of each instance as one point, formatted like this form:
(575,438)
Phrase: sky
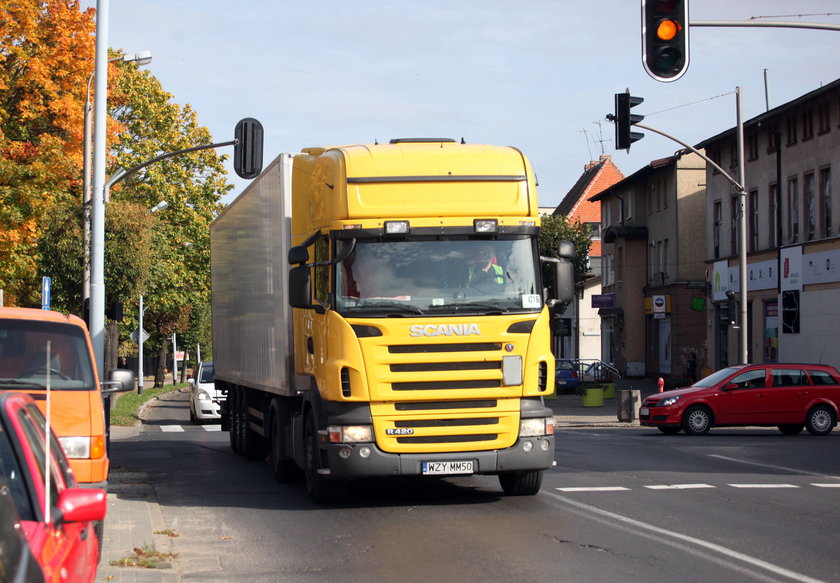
(539,75)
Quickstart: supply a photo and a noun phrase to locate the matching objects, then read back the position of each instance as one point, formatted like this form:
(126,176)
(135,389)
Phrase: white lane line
(761,465)
(762,485)
(670,534)
(679,486)
(826,485)
(212,427)
(171,428)
(595,489)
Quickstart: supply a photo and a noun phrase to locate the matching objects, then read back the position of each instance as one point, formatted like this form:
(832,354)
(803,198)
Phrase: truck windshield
(439,277)
(30,350)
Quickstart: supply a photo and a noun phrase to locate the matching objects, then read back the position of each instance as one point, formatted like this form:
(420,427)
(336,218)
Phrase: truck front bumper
(367,460)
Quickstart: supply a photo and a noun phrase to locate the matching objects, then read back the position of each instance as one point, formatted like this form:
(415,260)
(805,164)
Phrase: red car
(788,396)
(56,516)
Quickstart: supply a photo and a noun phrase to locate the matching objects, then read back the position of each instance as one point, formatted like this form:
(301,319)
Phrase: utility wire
(794,15)
(691,103)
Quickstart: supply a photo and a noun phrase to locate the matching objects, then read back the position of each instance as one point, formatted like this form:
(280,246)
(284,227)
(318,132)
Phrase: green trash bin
(593,397)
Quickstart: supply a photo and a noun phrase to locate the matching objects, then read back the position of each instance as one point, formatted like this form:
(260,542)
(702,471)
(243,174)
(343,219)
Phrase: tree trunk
(112,340)
(161,366)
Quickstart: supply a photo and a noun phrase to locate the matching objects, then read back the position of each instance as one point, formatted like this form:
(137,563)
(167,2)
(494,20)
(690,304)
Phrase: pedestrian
(691,368)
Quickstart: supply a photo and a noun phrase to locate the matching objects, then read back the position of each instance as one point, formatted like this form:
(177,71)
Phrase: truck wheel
(284,469)
(320,488)
(521,483)
(251,443)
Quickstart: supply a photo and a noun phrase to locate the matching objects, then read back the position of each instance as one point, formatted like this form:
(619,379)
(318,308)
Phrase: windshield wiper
(491,308)
(385,305)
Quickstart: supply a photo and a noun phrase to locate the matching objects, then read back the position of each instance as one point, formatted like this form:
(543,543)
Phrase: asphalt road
(622,504)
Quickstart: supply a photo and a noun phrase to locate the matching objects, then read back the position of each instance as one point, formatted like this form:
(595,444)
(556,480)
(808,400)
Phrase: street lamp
(141,58)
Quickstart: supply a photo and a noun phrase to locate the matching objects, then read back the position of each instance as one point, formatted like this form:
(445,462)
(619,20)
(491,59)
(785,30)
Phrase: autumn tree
(46,56)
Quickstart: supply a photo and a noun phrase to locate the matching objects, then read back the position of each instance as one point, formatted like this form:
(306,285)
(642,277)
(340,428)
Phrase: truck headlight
(536,427)
(350,433)
(76,447)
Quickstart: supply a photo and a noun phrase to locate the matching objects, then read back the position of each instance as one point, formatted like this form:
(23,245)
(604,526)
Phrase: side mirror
(298,254)
(299,293)
(81,505)
(119,380)
(729,387)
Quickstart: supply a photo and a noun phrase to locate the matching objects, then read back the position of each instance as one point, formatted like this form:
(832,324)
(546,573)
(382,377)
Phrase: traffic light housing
(665,38)
(248,149)
(624,120)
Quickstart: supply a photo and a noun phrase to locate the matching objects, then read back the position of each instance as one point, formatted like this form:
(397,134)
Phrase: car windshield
(438,277)
(716,377)
(206,373)
(31,352)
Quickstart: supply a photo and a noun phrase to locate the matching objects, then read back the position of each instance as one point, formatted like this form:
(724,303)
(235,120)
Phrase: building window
(716,228)
(773,140)
(752,147)
(666,273)
(807,124)
(793,210)
(733,225)
(594,231)
(824,118)
(754,220)
(790,134)
(608,270)
(773,204)
(810,206)
(619,265)
(825,201)
(714,156)
(652,267)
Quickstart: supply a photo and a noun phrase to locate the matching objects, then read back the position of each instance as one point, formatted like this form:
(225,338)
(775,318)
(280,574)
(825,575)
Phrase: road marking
(667,535)
(595,489)
(679,486)
(762,485)
(826,485)
(761,465)
(212,428)
(171,428)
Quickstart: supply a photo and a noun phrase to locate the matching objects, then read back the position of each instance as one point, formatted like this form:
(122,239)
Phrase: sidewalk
(570,412)
(134,521)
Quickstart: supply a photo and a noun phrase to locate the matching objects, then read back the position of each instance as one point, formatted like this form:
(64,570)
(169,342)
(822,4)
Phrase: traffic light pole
(743,346)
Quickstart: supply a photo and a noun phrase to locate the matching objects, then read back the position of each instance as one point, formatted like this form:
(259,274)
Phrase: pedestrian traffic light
(248,149)
(665,38)
(623,120)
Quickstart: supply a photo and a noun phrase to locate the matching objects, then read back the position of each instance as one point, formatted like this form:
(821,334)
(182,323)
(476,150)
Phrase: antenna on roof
(601,138)
(586,137)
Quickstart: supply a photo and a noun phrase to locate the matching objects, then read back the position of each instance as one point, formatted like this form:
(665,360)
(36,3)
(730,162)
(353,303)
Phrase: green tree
(556,228)
(178,281)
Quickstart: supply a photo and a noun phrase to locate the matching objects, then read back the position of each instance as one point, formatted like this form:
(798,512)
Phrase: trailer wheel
(285,470)
(320,488)
(521,483)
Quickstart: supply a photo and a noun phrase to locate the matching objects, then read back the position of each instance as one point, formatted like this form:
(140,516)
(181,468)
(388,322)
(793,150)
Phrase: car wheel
(521,483)
(697,420)
(320,488)
(820,420)
(791,429)
(669,430)
(193,418)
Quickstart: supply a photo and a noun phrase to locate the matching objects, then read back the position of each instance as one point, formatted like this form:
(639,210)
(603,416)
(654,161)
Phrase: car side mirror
(729,387)
(81,505)
(119,380)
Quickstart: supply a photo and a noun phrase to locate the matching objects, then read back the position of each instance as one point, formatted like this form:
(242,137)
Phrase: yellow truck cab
(43,349)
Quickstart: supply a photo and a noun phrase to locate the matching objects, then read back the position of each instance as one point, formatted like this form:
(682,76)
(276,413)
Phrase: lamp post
(162,205)
(141,58)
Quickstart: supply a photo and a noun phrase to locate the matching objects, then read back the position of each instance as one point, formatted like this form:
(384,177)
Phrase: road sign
(46,284)
(136,333)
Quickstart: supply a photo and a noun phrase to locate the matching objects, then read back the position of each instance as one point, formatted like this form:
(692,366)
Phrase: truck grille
(408,393)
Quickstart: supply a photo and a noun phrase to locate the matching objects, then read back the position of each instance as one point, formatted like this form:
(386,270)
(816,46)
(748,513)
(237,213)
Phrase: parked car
(56,516)
(17,563)
(566,374)
(789,396)
(204,399)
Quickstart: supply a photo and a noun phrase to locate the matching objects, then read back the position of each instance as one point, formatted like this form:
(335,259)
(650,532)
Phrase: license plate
(447,468)
(644,411)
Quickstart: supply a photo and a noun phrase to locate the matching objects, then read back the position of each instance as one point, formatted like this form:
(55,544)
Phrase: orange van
(40,348)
